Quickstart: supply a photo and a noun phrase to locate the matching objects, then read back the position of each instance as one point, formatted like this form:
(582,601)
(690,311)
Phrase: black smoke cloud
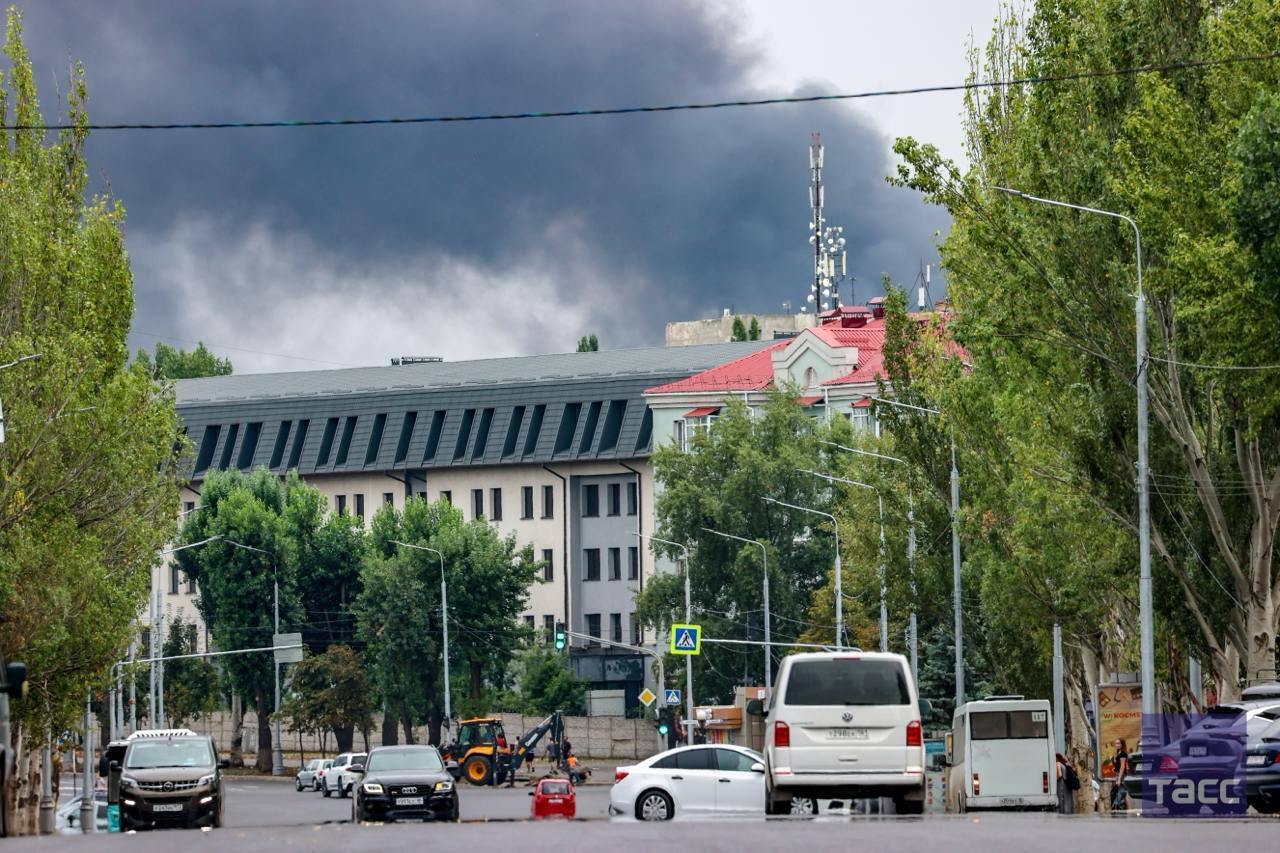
(351,244)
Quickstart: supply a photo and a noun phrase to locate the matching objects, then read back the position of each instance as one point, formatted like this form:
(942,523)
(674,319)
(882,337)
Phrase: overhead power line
(1193,364)
(664,108)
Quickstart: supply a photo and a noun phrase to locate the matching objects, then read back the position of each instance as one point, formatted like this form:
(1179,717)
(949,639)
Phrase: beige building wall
(718,330)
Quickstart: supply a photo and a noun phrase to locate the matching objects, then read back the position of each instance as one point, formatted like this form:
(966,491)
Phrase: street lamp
(688,617)
(955,543)
(911,548)
(839,583)
(277,754)
(768,636)
(884,610)
(444,622)
(1146,620)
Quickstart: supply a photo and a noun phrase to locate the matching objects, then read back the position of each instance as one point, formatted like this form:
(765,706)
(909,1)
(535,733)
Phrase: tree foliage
(330,691)
(88,464)
(546,683)
(588,343)
(753,331)
(739,330)
(175,363)
(191,687)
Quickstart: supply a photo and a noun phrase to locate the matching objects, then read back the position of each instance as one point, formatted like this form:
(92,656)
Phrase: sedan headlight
(371,788)
(444,786)
(206,780)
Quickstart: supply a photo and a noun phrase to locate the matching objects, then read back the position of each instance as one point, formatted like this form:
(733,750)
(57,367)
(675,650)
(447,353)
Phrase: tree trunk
(433,727)
(237,726)
(407,722)
(390,728)
(263,763)
(343,737)
(364,735)
(477,683)
(1227,667)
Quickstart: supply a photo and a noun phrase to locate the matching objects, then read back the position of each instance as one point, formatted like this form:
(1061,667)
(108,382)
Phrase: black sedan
(1262,771)
(403,783)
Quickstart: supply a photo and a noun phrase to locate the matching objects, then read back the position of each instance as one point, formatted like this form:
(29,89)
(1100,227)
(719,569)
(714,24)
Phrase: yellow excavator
(486,757)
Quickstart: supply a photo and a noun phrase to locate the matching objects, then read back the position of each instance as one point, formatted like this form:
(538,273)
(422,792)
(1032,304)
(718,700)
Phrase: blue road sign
(686,639)
(673,697)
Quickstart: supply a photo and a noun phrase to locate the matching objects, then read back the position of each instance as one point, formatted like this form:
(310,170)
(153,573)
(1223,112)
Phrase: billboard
(1119,710)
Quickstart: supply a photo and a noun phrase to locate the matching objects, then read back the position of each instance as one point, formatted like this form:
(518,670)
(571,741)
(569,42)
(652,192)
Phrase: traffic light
(665,724)
(562,639)
(13,679)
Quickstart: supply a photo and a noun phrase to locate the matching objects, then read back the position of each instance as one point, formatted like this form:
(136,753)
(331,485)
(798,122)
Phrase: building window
(615,627)
(593,625)
(591,501)
(615,564)
(528,623)
(549,626)
(677,435)
(191,585)
(173,579)
(633,498)
(615,499)
(360,507)
(447,497)
(495,504)
(340,503)
(388,498)
(548,564)
(477,504)
(592,557)
(633,563)
(548,501)
(526,501)
(188,507)
(636,638)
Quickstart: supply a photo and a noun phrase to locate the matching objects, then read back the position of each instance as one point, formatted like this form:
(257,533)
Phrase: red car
(553,798)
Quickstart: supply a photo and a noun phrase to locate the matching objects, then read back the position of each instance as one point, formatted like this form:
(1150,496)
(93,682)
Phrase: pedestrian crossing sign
(686,639)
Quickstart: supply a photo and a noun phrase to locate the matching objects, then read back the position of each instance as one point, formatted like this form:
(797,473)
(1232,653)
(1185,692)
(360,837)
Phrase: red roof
(701,412)
(752,372)
(809,400)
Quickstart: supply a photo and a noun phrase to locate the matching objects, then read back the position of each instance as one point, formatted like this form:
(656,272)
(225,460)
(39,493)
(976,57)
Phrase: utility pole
(955,575)
(444,623)
(768,637)
(1059,693)
(688,617)
(87,804)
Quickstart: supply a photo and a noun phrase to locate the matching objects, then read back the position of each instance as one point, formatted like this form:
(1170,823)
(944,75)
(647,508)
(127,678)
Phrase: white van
(1002,756)
(844,725)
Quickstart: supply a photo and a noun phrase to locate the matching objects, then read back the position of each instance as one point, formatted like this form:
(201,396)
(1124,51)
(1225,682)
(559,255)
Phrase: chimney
(877,307)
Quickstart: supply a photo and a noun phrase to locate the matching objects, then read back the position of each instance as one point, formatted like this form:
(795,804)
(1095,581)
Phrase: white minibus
(1001,755)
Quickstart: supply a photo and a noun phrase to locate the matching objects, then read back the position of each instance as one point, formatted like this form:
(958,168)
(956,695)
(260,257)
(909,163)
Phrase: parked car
(339,778)
(306,775)
(324,767)
(1262,770)
(171,779)
(553,797)
(402,783)
(833,711)
(690,780)
(67,818)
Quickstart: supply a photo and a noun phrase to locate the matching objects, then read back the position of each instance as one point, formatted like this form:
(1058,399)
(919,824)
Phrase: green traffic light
(662,729)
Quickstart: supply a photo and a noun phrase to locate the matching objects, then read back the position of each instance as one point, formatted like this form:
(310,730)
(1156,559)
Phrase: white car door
(691,777)
(739,789)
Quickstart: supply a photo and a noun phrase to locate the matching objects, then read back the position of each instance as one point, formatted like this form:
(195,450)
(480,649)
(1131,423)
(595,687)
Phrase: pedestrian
(1120,767)
(1068,784)
(566,749)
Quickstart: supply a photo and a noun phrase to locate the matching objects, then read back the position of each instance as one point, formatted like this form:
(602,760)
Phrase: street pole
(87,804)
(133,691)
(444,623)
(688,617)
(768,636)
(835,528)
(956,588)
(47,822)
(277,752)
(1146,618)
(1059,693)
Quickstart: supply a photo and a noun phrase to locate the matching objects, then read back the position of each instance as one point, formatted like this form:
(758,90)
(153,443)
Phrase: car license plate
(1197,751)
(408,801)
(1256,760)
(555,800)
(1144,767)
(167,807)
(846,734)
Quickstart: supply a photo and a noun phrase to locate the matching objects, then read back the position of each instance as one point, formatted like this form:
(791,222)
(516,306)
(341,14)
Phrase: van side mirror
(926,707)
(755,708)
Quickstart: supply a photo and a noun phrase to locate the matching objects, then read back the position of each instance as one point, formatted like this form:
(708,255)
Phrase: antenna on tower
(830,265)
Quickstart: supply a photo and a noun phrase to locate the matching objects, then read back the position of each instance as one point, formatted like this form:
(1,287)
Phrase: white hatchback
(844,725)
(690,780)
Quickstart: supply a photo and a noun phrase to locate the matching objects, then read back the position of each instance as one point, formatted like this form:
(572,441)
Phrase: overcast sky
(291,249)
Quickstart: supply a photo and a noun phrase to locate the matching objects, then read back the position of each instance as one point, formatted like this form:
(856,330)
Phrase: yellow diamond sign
(647,696)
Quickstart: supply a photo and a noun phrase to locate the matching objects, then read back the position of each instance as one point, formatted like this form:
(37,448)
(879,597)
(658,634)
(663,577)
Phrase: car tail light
(781,734)
(619,775)
(977,786)
(914,737)
(1168,764)
(1044,778)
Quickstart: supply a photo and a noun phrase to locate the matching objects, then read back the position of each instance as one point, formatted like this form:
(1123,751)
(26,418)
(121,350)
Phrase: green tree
(588,343)
(1042,303)
(173,363)
(191,688)
(330,691)
(753,332)
(546,683)
(88,464)
(739,330)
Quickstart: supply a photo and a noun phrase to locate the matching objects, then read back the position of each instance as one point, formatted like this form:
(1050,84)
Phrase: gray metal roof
(480,372)
(551,408)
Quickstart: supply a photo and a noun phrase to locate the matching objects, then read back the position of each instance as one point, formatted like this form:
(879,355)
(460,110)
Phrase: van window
(1005,725)
(847,681)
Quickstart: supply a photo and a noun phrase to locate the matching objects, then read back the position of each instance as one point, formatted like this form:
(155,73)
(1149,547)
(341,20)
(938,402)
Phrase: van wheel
(803,806)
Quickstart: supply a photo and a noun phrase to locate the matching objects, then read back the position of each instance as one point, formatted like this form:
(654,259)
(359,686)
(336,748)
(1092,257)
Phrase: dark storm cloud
(671,216)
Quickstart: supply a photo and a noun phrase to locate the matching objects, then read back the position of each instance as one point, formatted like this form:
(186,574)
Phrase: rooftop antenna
(830,265)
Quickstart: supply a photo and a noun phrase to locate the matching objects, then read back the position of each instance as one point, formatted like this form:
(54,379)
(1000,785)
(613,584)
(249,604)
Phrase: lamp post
(277,754)
(1146,620)
(768,617)
(956,587)
(688,616)
(912,630)
(884,609)
(444,623)
(839,583)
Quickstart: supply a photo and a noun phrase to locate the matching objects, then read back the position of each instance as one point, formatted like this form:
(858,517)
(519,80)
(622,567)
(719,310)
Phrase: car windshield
(169,753)
(404,759)
(847,681)
(555,786)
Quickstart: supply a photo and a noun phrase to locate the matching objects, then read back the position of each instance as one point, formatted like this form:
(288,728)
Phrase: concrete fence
(590,737)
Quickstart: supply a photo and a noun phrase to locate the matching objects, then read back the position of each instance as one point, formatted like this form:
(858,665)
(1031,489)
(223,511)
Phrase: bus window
(1028,724)
(989,725)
